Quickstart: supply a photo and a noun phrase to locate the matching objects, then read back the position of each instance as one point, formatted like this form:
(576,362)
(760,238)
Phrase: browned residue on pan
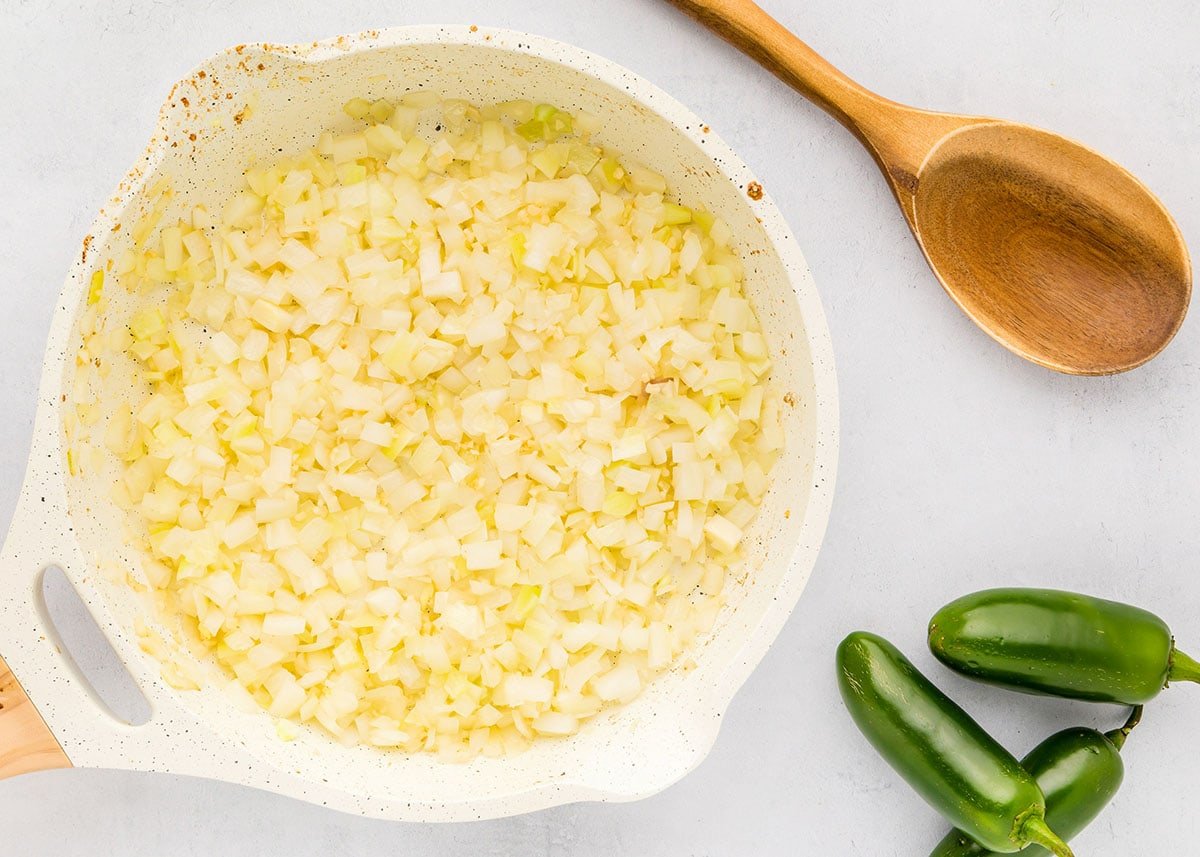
(755,191)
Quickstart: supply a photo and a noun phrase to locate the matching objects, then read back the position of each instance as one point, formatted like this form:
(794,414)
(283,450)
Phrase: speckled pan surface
(249,103)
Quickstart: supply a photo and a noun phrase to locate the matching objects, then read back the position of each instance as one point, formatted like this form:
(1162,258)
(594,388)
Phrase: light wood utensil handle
(896,135)
(747,27)
(26,743)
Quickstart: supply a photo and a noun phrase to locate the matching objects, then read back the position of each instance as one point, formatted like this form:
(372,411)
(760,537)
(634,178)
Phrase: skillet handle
(26,742)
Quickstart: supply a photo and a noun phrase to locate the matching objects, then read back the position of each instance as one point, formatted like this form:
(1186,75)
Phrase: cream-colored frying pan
(250,102)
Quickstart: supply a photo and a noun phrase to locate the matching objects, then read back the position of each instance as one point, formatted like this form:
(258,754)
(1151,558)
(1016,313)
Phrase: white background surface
(961,466)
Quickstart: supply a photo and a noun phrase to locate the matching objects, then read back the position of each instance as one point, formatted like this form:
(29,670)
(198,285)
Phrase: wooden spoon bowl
(1056,252)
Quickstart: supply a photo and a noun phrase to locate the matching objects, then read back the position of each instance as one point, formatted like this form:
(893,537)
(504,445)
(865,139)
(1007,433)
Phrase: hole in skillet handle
(88,652)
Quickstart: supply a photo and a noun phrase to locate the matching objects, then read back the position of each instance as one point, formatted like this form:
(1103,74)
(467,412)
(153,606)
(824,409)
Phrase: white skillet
(248,103)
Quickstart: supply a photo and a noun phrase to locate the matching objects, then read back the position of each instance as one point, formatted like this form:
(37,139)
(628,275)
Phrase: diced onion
(451,439)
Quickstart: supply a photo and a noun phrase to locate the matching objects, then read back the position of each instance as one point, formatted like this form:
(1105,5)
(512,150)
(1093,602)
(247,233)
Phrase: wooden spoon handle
(897,136)
(747,27)
(26,743)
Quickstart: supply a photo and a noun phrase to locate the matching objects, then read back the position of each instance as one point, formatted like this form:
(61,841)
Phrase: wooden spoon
(1059,254)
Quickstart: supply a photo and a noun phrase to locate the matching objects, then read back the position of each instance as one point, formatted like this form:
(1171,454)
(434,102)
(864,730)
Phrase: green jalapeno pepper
(1059,643)
(1079,770)
(942,753)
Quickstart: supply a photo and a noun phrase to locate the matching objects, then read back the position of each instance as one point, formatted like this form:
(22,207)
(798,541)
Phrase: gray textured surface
(961,466)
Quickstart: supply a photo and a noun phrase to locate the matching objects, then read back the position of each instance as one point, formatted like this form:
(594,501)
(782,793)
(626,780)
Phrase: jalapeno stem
(1183,668)
(1118,736)
(1035,831)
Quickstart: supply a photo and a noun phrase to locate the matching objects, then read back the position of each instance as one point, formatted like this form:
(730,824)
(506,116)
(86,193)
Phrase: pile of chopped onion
(451,435)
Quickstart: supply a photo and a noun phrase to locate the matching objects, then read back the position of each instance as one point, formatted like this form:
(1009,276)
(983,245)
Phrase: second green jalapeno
(942,753)
(1061,644)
